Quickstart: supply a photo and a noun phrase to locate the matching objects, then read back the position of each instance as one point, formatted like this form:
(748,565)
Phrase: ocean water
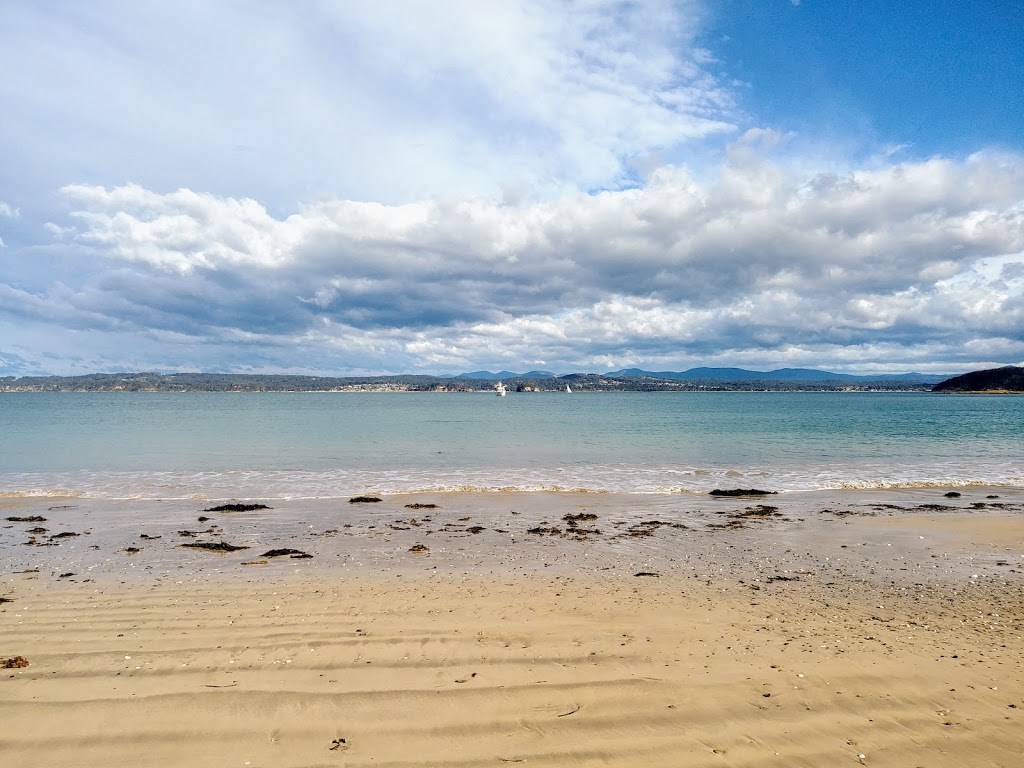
(334,445)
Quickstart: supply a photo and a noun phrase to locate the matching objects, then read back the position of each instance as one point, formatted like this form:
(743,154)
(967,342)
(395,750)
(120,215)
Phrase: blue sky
(941,77)
(340,187)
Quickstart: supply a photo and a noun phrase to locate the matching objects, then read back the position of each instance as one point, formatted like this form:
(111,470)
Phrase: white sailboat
(567,390)
(500,390)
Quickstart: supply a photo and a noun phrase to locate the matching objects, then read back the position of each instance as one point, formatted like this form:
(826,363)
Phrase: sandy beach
(843,628)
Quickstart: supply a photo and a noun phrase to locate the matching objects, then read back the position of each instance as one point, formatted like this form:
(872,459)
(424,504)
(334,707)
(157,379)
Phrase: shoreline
(515,532)
(690,632)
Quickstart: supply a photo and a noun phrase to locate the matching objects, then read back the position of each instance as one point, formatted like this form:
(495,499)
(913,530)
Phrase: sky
(350,188)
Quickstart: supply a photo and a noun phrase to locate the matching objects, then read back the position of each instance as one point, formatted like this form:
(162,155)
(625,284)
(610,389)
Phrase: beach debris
(739,518)
(6,600)
(841,512)
(647,573)
(131,550)
(572,531)
(147,537)
(741,492)
(952,495)
(648,527)
(236,507)
(285,552)
(213,546)
(67,575)
(37,530)
(338,745)
(255,562)
(26,519)
(579,517)
(761,510)
(202,519)
(364,499)
(475,529)
(64,535)
(15,662)
(419,505)
(571,712)
(419,548)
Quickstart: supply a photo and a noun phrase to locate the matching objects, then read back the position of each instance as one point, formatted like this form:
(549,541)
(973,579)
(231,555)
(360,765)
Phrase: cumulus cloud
(352,187)
(754,262)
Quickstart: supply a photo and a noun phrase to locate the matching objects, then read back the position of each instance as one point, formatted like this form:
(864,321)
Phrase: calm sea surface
(283,445)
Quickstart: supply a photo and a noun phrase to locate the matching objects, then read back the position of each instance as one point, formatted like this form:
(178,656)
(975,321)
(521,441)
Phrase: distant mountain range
(625,380)
(723,374)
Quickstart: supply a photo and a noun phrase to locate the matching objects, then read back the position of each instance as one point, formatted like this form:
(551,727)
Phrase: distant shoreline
(580,383)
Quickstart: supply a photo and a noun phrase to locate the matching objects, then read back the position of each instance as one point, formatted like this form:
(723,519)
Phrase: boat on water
(567,390)
(499,389)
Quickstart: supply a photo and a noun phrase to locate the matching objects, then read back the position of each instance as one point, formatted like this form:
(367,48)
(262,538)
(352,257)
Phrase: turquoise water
(279,445)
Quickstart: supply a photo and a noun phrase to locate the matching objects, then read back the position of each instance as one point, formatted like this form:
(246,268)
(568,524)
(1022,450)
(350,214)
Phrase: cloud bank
(447,186)
(755,265)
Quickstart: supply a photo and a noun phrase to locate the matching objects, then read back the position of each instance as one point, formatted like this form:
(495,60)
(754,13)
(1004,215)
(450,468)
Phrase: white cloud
(393,102)
(433,186)
(755,262)
(7,212)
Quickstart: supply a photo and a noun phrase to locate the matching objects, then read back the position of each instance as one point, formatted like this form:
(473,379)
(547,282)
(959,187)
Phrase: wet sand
(875,628)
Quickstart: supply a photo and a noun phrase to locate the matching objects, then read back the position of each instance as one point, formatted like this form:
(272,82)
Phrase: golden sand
(737,662)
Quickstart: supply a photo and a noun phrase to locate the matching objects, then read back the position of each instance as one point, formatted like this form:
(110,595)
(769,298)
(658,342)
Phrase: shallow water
(332,445)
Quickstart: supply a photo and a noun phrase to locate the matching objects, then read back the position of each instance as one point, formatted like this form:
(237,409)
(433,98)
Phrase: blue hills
(780,374)
(721,374)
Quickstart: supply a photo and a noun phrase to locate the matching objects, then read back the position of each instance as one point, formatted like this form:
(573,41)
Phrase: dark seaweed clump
(295,554)
(741,492)
(213,546)
(363,499)
(236,508)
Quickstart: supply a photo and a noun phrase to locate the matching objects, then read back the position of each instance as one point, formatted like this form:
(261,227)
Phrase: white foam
(590,478)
